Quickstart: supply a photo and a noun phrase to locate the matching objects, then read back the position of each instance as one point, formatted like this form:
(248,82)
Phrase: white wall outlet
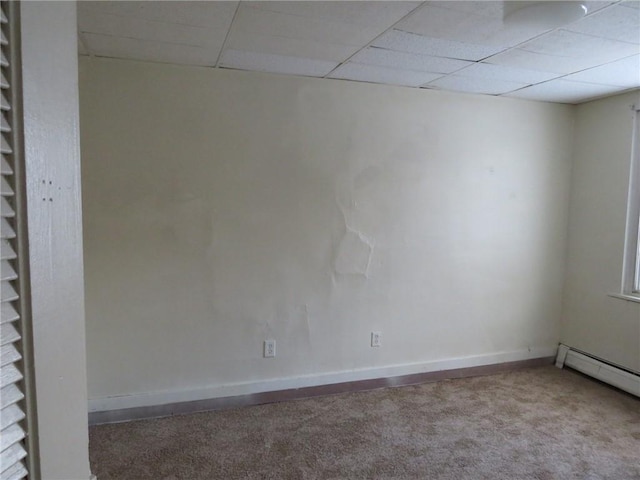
(376,339)
(269,348)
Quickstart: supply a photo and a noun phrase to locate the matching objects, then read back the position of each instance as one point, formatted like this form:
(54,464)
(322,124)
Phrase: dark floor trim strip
(180,408)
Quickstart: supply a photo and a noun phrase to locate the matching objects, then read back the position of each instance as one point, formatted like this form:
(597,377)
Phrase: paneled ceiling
(462,46)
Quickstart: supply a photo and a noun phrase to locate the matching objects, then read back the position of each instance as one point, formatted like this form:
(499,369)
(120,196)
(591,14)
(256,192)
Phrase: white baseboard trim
(150,399)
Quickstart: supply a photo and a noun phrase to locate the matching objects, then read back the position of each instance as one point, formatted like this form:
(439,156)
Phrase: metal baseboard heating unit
(599,369)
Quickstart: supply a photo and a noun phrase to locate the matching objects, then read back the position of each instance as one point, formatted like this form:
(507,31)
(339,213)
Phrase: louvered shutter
(12,437)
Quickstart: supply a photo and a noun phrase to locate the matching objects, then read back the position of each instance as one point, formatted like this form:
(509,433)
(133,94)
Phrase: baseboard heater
(598,369)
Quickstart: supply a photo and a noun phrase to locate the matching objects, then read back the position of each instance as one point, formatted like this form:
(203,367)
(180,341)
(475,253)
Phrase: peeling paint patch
(354,254)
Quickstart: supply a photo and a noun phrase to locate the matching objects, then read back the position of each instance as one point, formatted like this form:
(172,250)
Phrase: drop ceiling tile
(518,58)
(488,86)
(622,73)
(616,23)
(370,13)
(412,43)
(135,49)
(214,15)
(595,5)
(469,26)
(492,8)
(565,91)
(563,43)
(263,22)
(289,47)
(275,63)
(510,74)
(132,27)
(408,61)
(376,74)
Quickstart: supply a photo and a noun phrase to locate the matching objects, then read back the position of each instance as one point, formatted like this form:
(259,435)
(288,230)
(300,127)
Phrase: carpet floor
(540,423)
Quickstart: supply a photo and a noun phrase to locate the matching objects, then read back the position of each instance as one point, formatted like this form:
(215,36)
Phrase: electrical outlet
(376,339)
(269,348)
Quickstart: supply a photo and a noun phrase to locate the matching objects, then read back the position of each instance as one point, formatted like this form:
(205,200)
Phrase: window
(14,360)
(631,271)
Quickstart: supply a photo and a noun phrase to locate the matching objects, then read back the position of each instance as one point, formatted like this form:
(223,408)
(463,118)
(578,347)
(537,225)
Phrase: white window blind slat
(9,334)
(10,435)
(10,456)
(7,272)
(10,415)
(6,230)
(5,168)
(4,124)
(9,293)
(6,210)
(6,190)
(9,354)
(10,375)
(10,395)
(6,250)
(9,313)
(15,472)
(5,148)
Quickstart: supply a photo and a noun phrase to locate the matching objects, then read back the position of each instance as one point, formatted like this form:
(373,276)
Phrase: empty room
(320,240)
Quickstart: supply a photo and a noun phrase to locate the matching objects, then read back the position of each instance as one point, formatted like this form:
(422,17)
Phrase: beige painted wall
(52,158)
(593,321)
(223,208)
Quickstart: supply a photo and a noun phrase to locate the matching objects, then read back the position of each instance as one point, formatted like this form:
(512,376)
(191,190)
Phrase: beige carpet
(540,423)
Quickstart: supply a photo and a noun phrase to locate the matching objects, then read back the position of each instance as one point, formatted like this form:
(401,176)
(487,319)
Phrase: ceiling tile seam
(144,40)
(376,38)
(371,82)
(527,86)
(376,47)
(458,41)
(554,56)
(460,72)
(318,19)
(151,20)
(228,34)
(472,62)
(571,81)
(594,83)
(599,36)
(562,76)
(574,101)
(249,32)
(267,72)
(573,57)
(454,72)
(157,62)
(403,69)
(429,85)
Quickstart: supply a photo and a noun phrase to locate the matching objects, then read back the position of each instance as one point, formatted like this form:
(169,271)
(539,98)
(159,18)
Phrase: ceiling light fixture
(545,14)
